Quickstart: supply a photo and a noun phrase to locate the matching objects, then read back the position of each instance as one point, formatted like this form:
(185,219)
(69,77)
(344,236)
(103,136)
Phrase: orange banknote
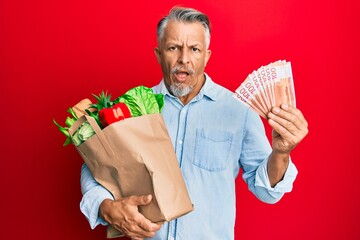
(269,86)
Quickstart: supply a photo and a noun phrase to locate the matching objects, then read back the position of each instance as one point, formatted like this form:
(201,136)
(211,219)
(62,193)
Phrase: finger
(141,233)
(299,121)
(136,232)
(140,200)
(143,226)
(289,133)
(280,129)
(148,226)
(294,111)
(281,125)
(292,120)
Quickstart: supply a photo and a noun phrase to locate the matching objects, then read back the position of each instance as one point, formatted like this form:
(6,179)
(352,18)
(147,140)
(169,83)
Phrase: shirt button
(171,238)
(180,141)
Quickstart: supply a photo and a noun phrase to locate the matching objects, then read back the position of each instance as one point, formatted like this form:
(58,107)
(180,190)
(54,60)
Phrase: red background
(54,53)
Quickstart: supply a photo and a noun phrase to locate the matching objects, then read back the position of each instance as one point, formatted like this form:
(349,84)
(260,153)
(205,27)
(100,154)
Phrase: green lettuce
(141,100)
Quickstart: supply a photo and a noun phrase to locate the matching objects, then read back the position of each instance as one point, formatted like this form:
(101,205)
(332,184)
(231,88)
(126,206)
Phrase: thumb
(141,200)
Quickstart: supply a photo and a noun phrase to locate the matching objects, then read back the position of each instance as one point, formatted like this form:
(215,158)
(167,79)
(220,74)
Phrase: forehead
(180,31)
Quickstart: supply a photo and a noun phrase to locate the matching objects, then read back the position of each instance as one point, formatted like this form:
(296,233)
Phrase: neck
(186,99)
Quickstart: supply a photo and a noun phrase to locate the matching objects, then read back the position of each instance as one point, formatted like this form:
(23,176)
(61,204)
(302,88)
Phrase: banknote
(248,91)
(283,88)
(268,86)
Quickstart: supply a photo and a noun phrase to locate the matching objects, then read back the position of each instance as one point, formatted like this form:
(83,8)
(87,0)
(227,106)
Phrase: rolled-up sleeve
(263,188)
(254,158)
(93,195)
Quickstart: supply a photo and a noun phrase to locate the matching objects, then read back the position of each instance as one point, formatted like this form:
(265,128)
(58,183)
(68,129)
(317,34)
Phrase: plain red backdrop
(54,53)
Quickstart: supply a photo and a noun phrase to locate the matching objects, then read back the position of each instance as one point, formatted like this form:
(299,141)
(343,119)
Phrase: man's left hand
(289,128)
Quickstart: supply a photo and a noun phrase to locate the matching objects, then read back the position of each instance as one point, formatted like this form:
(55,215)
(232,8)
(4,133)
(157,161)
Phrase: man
(213,136)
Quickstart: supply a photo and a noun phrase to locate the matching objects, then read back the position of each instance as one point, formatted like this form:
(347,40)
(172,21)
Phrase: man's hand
(289,128)
(123,215)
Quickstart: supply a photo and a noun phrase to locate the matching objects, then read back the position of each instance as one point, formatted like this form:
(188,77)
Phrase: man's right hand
(123,215)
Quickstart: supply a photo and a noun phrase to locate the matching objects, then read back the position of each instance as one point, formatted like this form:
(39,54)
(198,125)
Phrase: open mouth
(181,76)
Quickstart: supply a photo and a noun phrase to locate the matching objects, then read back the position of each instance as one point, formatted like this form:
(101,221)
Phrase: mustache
(176,69)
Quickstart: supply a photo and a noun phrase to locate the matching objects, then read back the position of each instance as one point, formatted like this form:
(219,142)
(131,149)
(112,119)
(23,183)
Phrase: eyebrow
(178,44)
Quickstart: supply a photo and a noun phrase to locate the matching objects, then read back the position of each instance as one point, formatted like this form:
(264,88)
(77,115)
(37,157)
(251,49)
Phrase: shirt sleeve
(93,195)
(255,152)
(273,194)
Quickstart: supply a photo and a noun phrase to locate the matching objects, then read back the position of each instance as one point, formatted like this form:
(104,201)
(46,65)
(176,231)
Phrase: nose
(184,57)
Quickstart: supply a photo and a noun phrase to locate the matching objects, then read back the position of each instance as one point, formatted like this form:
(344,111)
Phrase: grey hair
(185,15)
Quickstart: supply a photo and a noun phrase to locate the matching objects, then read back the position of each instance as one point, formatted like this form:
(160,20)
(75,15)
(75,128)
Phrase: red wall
(54,53)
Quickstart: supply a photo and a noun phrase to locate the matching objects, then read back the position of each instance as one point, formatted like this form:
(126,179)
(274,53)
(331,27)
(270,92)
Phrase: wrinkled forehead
(184,30)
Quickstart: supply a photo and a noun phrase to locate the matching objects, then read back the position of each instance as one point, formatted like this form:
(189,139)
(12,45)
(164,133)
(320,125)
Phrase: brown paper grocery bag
(136,157)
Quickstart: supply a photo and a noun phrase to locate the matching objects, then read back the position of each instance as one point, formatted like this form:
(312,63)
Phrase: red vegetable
(116,113)
(107,112)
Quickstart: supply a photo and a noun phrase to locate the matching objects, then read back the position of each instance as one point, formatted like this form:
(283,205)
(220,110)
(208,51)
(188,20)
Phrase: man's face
(183,56)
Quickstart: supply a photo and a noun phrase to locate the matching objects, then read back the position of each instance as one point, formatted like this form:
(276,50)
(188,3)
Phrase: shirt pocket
(212,149)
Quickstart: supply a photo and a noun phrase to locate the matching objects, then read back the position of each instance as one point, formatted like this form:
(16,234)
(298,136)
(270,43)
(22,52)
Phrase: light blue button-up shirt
(214,136)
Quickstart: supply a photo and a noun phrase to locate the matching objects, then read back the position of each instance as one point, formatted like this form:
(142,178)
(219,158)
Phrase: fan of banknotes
(269,86)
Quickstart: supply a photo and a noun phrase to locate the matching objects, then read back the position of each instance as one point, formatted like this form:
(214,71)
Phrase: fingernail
(148,197)
(285,106)
(271,115)
(276,110)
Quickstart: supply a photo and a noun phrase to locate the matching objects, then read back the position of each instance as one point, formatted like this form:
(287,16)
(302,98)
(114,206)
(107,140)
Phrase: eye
(173,48)
(195,49)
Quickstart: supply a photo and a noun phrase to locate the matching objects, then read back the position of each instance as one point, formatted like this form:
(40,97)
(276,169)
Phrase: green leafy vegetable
(69,121)
(141,100)
(84,132)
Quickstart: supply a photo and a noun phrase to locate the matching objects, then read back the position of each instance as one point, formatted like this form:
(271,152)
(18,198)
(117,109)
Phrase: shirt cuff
(284,186)
(90,204)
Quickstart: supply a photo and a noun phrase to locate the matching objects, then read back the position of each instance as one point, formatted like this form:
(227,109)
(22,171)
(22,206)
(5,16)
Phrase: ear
(207,56)
(157,54)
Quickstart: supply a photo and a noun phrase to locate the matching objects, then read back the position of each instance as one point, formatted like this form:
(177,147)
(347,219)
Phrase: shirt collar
(207,90)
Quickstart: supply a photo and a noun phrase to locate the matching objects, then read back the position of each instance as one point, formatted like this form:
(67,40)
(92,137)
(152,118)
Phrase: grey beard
(179,91)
